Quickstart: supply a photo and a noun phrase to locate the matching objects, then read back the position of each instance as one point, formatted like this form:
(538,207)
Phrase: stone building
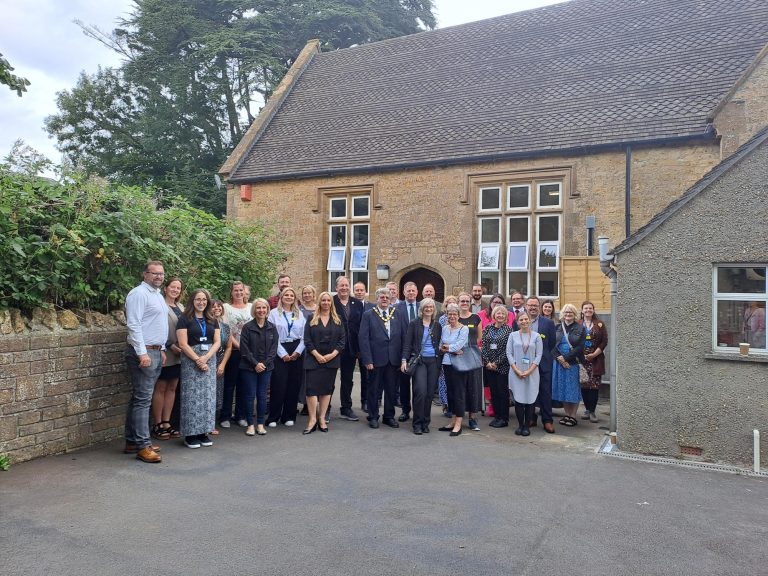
(493,151)
(691,289)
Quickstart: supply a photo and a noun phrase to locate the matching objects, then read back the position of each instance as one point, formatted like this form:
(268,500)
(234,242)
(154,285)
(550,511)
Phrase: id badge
(525,362)
(204,347)
(494,346)
(203,339)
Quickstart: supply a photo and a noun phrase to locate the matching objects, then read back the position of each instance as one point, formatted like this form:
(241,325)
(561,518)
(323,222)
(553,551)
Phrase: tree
(194,75)
(14,82)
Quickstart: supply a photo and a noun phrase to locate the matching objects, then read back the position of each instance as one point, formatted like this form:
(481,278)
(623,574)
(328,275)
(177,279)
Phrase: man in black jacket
(350,310)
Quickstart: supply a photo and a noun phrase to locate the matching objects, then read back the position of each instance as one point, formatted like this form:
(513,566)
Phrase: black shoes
(391,422)
(456,433)
(310,430)
(446,428)
(417,431)
(373,424)
(404,417)
(205,440)
(425,429)
(498,423)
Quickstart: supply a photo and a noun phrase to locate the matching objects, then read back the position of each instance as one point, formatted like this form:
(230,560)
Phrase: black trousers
(347,370)
(524,413)
(424,383)
(457,384)
(284,387)
(590,398)
(405,393)
(232,390)
(499,386)
(382,378)
(544,399)
(363,381)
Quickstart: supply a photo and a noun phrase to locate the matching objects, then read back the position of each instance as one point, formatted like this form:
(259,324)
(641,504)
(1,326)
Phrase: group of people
(253,363)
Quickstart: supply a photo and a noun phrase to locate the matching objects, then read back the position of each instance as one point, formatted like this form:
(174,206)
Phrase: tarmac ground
(361,501)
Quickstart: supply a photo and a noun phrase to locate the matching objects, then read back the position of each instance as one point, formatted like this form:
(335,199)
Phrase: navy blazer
(376,346)
(402,315)
(548,336)
(351,326)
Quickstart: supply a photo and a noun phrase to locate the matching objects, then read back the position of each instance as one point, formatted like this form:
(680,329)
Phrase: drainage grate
(690,450)
(609,449)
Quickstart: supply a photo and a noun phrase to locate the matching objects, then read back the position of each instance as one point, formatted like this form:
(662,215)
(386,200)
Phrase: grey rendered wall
(669,393)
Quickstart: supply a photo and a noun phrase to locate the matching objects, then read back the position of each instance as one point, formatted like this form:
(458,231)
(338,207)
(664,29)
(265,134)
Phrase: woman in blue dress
(569,347)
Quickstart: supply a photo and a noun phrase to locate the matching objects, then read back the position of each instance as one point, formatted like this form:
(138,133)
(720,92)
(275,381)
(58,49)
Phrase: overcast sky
(41,41)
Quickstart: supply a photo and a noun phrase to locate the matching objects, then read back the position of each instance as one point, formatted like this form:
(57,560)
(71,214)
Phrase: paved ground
(360,501)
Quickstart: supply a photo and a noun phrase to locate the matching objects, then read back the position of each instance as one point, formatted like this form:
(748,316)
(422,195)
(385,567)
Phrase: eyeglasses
(464,301)
(155,273)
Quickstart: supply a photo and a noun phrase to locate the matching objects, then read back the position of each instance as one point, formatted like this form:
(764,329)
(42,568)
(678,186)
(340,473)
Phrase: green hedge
(83,244)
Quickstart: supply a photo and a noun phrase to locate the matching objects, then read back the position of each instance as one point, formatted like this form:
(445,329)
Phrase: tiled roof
(580,74)
(676,205)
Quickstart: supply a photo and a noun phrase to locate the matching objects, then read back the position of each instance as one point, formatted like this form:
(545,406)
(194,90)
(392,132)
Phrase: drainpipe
(607,267)
(627,192)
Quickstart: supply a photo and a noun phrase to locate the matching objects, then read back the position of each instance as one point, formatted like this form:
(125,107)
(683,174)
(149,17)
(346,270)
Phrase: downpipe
(608,268)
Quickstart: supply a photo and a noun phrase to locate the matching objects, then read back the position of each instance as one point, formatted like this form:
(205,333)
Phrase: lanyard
(525,346)
(203,326)
(289,323)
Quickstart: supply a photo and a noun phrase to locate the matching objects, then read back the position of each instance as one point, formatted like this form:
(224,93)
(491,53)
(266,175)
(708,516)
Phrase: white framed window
(349,238)
(740,299)
(519,197)
(361,207)
(528,245)
(549,195)
(490,199)
(338,208)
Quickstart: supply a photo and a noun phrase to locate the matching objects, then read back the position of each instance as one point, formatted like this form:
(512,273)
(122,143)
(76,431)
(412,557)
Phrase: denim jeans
(255,386)
(143,380)
(232,390)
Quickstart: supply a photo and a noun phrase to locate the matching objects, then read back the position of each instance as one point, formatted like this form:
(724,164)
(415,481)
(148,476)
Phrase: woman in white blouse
(286,378)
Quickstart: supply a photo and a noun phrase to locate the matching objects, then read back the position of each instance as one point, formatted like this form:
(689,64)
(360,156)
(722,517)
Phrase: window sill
(736,357)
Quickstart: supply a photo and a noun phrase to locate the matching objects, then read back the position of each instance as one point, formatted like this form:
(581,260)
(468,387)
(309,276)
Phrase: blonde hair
(316,316)
(450,299)
(569,308)
(295,308)
(311,289)
(496,309)
(258,301)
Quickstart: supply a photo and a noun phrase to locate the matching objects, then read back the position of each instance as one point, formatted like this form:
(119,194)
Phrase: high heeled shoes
(310,430)
(322,429)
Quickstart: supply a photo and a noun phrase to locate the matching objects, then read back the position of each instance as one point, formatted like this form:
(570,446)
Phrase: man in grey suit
(381,348)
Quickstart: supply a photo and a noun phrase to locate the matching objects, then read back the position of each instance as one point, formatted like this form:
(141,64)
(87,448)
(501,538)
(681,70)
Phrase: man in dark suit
(516,300)
(361,293)
(380,348)
(546,328)
(429,292)
(350,310)
(407,310)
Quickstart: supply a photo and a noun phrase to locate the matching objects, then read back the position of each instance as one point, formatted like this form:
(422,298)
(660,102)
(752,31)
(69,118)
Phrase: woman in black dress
(474,400)
(324,340)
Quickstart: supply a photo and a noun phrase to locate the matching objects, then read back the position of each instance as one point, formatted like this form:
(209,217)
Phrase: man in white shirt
(147,320)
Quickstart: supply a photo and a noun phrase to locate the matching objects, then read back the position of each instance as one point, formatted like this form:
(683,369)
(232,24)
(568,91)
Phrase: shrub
(83,244)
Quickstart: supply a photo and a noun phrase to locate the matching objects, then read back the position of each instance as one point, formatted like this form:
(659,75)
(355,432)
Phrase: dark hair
(189,310)
(595,317)
(495,297)
(553,308)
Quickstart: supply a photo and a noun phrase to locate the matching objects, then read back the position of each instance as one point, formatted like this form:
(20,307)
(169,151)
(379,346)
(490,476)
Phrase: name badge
(204,347)
(494,346)
(203,339)
(525,362)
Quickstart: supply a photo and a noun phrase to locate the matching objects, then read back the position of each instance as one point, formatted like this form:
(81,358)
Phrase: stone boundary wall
(63,381)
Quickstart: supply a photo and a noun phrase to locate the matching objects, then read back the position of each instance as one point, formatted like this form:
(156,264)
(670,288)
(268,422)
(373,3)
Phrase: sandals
(568,421)
(165,432)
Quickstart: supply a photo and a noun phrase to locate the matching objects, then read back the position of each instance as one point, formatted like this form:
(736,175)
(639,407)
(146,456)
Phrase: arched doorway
(421,276)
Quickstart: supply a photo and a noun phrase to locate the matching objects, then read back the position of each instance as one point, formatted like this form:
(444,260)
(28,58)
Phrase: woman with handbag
(569,346)
(421,360)
(524,351)
(595,341)
(475,393)
(496,366)
(453,344)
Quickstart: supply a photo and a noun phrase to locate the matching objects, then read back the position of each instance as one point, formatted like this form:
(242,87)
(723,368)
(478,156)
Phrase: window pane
(741,321)
(489,230)
(338,207)
(549,228)
(549,195)
(518,196)
(742,280)
(548,284)
(548,254)
(338,236)
(517,256)
(518,282)
(360,277)
(518,230)
(360,207)
(490,199)
(488,257)
(360,235)
(490,282)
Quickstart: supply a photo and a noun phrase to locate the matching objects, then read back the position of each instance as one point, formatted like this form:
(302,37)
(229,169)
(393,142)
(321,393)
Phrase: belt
(153,347)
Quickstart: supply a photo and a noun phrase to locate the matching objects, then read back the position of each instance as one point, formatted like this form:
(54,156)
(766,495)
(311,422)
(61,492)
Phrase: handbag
(468,360)
(583,375)
(412,364)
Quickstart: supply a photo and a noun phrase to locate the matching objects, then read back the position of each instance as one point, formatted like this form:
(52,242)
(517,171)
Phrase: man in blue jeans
(147,320)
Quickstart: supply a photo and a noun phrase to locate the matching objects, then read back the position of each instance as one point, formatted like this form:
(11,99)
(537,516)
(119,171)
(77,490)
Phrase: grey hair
(425,302)
(452,308)
(499,307)
(382,291)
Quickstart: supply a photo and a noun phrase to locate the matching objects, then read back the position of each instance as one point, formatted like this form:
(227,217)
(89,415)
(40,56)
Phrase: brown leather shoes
(549,428)
(131,448)
(146,454)
(532,424)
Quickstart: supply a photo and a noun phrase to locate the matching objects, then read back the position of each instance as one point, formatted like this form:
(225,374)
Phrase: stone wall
(63,381)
